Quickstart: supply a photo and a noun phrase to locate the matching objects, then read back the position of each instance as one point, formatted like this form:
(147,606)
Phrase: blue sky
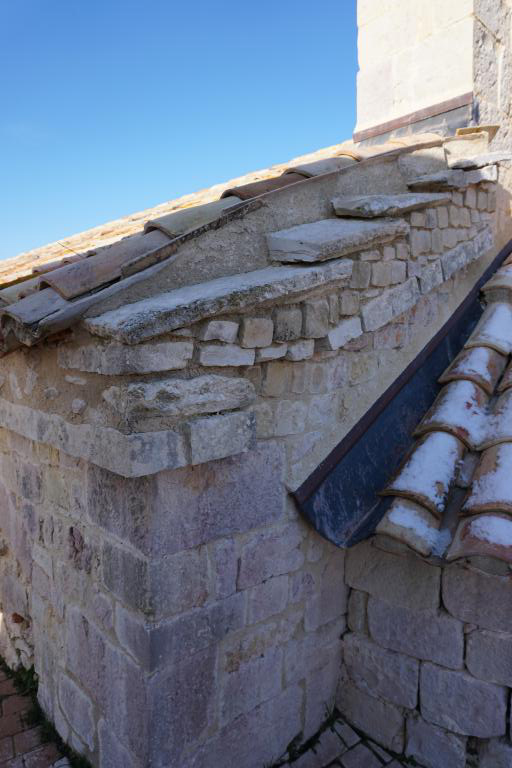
(112,106)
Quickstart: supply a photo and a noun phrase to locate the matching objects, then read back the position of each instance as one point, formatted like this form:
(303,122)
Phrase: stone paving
(22,744)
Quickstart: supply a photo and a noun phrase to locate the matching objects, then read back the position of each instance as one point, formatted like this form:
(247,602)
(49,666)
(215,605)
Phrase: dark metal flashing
(414,117)
(340,497)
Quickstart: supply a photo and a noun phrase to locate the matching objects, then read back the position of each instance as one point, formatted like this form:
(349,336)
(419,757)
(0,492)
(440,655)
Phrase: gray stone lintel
(372,206)
(166,312)
(332,238)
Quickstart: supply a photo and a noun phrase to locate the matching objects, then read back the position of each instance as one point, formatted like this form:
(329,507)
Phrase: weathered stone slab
(439,181)
(459,257)
(478,598)
(489,656)
(423,634)
(161,314)
(379,672)
(344,332)
(225,355)
(433,747)
(495,754)
(479,161)
(371,206)
(458,702)
(383,722)
(181,397)
(332,238)
(113,359)
(219,436)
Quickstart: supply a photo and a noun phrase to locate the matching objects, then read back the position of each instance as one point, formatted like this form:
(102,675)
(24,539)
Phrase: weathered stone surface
(271,553)
(112,753)
(439,181)
(161,314)
(220,355)
(267,599)
(486,173)
(423,634)
(361,274)
(344,332)
(388,273)
(219,436)
(390,304)
(331,238)
(360,757)
(113,359)
(274,352)
(256,332)
(370,206)
(383,722)
(349,303)
(379,672)
(316,318)
(495,754)
(78,709)
(181,397)
(329,600)
(421,242)
(228,497)
(287,323)
(430,276)
(458,702)
(220,330)
(357,604)
(459,257)
(290,417)
(300,350)
(250,682)
(433,747)
(478,598)
(402,580)
(489,656)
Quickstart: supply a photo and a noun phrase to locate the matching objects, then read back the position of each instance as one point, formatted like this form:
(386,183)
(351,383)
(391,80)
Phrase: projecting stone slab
(480,161)
(438,182)
(458,702)
(164,313)
(332,238)
(181,397)
(371,206)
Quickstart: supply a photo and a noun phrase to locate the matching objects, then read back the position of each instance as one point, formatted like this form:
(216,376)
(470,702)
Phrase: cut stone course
(434,747)
(381,721)
(256,332)
(220,330)
(489,656)
(222,355)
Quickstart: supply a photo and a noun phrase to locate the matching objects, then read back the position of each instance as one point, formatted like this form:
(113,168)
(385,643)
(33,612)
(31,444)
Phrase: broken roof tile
(428,471)
(483,535)
(492,487)
(481,365)
(411,524)
(459,409)
(494,329)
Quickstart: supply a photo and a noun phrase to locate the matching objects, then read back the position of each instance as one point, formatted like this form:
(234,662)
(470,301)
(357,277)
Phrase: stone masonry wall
(427,658)
(187,616)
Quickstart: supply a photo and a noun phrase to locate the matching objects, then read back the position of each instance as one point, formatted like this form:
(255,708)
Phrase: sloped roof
(67,277)
(452,495)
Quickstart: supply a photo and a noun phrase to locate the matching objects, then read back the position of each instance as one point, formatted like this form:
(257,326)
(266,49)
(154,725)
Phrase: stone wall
(412,59)
(176,616)
(427,658)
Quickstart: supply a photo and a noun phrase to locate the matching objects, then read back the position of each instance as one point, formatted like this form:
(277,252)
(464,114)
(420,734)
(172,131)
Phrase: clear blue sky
(112,106)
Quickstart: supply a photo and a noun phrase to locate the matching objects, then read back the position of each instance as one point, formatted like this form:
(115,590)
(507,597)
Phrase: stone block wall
(427,665)
(180,612)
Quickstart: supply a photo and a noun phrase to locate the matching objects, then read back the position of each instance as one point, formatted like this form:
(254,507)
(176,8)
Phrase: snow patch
(493,529)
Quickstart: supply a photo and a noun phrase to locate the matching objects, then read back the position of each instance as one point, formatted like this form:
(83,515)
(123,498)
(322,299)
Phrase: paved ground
(21,744)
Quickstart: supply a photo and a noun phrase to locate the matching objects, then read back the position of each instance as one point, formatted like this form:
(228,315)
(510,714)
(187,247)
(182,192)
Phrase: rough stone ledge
(135,455)
(164,313)
(370,206)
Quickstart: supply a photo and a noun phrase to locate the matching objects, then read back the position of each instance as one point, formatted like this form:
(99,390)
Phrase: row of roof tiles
(453,492)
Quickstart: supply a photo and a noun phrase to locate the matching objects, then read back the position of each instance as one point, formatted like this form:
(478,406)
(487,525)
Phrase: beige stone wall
(412,55)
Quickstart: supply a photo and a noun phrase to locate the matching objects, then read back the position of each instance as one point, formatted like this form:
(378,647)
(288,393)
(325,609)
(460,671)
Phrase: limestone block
(458,702)
(256,332)
(388,273)
(220,355)
(273,352)
(287,324)
(487,173)
(181,397)
(434,747)
(270,553)
(290,417)
(421,242)
(277,379)
(489,656)
(250,683)
(430,277)
(329,601)
(381,721)
(267,599)
(332,238)
(356,619)
(219,436)
(163,313)
(115,359)
(361,274)
(257,475)
(442,216)
(481,203)
(454,215)
(418,219)
(390,304)
(422,161)
(431,218)
(450,238)
(423,634)
(316,318)
(470,197)
(401,580)
(495,754)
(300,350)
(349,303)
(478,598)
(112,752)
(220,330)
(457,258)
(79,710)
(344,332)
(320,690)
(379,672)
